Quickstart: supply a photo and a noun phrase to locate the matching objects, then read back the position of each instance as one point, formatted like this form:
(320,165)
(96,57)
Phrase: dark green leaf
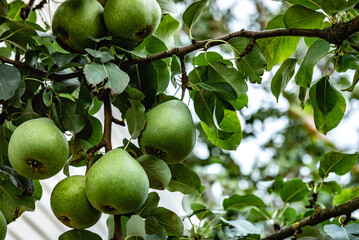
(79,235)
(204,106)
(10,79)
(252,65)
(150,203)
(328,105)
(311,4)
(221,88)
(241,202)
(169,220)
(305,73)
(193,12)
(332,188)
(184,180)
(25,185)
(282,76)
(201,211)
(154,228)
(332,7)
(258,215)
(337,162)
(135,228)
(298,16)
(158,172)
(12,202)
(294,190)
(69,118)
(135,118)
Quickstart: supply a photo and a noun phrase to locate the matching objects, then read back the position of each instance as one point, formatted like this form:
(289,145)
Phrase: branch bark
(335,34)
(343,209)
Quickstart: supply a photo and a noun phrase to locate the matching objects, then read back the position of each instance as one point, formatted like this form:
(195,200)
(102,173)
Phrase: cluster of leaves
(45,80)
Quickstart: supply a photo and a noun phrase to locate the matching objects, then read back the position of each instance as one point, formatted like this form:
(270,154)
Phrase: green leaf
(204,59)
(104,55)
(277,49)
(311,232)
(151,202)
(158,172)
(348,232)
(204,102)
(221,88)
(223,73)
(294,190)
(229,136)
(96,73)
(346,195)
(167,6)
(153,227)
(239,228)
(305,73)
(184,180)
(193,12)
(69,119)
(298,16)
(169,220)
(166,30)
(311,4)
(135,228)
(135,118)
(331,188)
(240,202)
(282,76)
(21,34)
(12,201)
(337,162)
(79,235)
(332,7)
(328,105)
(252,65)
(258,215)
(201,210)
(10,79)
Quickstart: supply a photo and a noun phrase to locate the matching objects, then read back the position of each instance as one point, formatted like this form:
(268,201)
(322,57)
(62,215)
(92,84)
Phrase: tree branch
(343,209)
(335,34)
(41,73)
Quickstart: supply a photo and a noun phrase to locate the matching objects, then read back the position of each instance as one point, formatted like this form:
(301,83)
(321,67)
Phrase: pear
(116,183)
(170,133)
(132,20)
(3,226)
(70,205)
(74,21)
(38,149)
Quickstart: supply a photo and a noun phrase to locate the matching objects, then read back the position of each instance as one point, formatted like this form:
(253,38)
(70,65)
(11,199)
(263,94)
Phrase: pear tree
(181,88)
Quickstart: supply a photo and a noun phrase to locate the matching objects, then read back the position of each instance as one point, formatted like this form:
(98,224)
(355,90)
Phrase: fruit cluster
(75,21)
(116,183)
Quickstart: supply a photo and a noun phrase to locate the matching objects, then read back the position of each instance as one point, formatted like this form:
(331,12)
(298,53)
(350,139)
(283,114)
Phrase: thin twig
(184,85)
(118,122)
(320,216)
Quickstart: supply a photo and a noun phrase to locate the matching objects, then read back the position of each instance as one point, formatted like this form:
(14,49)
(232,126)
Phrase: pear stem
(118,235)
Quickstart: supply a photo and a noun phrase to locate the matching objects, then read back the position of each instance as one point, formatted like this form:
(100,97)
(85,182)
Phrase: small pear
(170,133)
(70,205)
(116,183)
(38,149)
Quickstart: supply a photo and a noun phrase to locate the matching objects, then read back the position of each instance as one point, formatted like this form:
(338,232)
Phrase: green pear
(116,183)
(38,149)
(132,20)
(3,226)
(74,21)
(70,205)
(79,235)
(169,133)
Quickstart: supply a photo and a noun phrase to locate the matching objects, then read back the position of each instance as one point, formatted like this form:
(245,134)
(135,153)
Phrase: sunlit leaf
(337,162)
